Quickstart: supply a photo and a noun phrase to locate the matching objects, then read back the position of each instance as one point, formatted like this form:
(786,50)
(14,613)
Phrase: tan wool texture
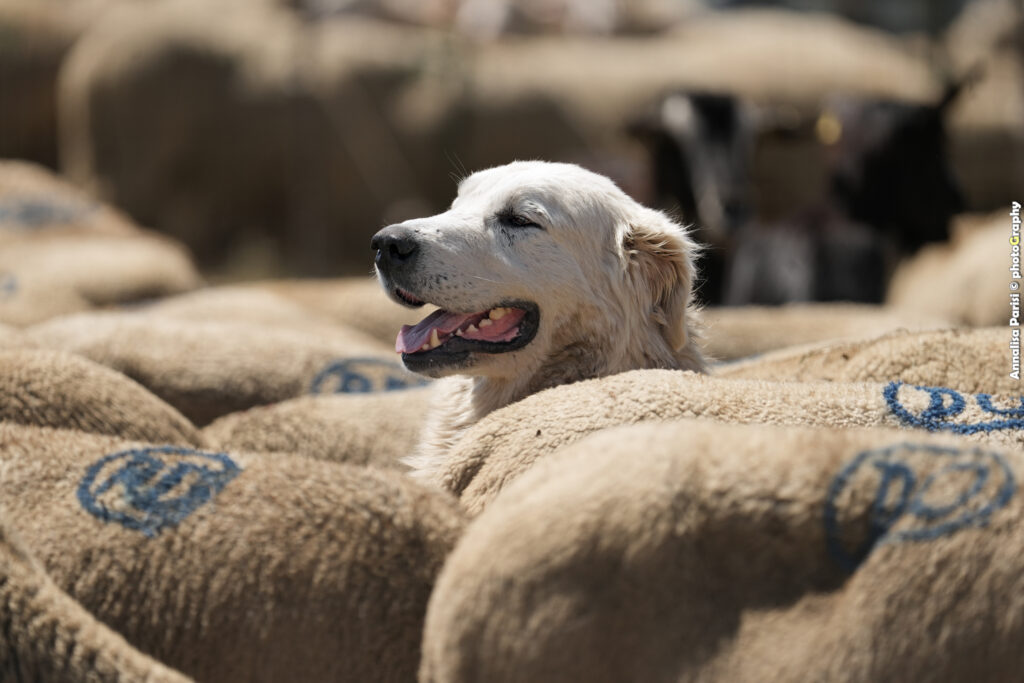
(975,360)
(50,637)
(737,332)
(507,442)
(210,369)
(356,302)
(11,338)
(45,275)
(63,251)
(245,305)
(958,279)
(33,200)
(697,551)
(233,567)
(360,429)
(61,390)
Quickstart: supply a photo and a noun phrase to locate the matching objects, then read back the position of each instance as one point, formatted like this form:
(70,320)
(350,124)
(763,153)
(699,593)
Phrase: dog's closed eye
(511,219)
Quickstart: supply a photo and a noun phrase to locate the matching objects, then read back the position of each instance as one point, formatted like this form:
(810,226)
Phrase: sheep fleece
(505,443)
(733,332)
(61,390)
(965,359)
(210,369)
(49,637)
(233,567)
(700,551)
(360,429)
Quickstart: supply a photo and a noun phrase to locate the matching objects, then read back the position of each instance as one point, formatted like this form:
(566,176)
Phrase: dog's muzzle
(397,250)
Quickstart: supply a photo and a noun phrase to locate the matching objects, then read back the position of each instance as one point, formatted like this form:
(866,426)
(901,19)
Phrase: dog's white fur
(613,281)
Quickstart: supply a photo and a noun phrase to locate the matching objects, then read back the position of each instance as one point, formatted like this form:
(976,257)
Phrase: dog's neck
(573,362)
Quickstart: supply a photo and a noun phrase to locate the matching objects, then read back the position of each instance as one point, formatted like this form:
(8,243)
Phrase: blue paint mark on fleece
(904,490)
(363,376)
(34,212)
(8,286)
(150,489)
(937,416)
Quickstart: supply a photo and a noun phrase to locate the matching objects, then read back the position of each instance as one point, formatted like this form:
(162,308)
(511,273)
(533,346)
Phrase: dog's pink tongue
(412,337)
(502,330)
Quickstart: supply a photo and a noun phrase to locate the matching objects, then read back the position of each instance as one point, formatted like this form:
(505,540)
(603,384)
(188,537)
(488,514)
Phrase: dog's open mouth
(445,337)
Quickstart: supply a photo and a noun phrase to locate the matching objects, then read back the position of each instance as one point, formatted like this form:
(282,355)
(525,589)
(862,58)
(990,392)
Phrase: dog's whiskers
(497,282)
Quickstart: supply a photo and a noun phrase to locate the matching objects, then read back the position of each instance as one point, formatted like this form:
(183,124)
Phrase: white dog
(545,274)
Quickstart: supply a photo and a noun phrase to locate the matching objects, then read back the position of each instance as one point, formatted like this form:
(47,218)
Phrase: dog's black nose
(396,247)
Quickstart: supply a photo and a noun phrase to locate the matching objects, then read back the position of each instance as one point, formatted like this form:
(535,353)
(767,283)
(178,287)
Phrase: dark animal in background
(890,169)
(816,255)
(701,145)
(890,190)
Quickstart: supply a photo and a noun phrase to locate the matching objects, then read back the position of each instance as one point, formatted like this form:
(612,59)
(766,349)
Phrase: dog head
(541,271)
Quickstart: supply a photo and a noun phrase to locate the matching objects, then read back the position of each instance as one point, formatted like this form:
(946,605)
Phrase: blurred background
(817,146)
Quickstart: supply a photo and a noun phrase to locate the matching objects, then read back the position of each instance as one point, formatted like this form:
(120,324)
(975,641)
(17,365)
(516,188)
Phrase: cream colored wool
(47,636)
(11,338)
(964,280)
(696,551)
(34,200)
(251,568)
(61,390)
(986,144)
(343,122)
(62,251)
(968,360)
(360,429)
(811,55)
(313,164)
(210,369)
(738,332)
(244,305)
(358,303)
(507,442)
(986,141)
(45,275)
(157,40)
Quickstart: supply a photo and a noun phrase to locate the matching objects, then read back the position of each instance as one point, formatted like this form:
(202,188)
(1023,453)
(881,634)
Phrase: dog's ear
(661,267)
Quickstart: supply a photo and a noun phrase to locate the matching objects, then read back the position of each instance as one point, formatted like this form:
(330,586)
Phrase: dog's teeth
(497,313)
(471,328)
(434,341)
(425,347)
(485,322)
(458,333)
